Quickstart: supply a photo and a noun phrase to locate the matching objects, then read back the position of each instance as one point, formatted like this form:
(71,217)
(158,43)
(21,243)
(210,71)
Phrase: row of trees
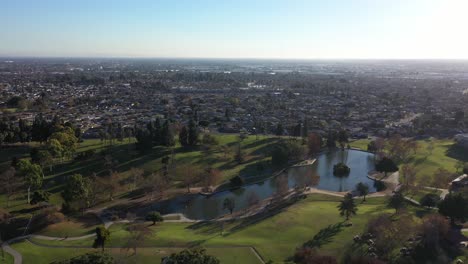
(12,131)
(155,134)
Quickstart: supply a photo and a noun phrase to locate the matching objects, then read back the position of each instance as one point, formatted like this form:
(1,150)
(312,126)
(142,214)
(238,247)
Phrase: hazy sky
(306,29)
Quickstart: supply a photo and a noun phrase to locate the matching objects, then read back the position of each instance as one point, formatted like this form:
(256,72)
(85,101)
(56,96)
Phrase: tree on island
(341,170)
(154,217)
(454,206)
(229,204)
(386,165)
(363,190)
(102,237)
(347,207)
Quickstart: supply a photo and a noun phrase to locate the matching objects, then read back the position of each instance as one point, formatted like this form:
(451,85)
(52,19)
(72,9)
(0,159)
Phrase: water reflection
(319,175)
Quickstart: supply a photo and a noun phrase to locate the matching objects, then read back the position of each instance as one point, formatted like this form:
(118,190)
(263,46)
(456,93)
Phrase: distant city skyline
(274,29)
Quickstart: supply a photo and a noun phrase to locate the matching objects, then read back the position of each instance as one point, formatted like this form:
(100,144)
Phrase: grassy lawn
(38,255)
(6,259)
(297,224)
(360,144)
(79,226)
(420,193)
(444,155)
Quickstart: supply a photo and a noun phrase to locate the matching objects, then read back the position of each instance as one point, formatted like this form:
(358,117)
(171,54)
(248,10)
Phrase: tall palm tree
(347,207)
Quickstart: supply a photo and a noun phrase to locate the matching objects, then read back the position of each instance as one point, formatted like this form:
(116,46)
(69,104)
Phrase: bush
(40,196)
(95,258)
(430,200)
(379,186)
(341,170)
(236,181)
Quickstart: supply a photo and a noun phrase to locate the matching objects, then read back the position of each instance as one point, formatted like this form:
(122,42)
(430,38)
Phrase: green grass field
(444,155)
(275,237)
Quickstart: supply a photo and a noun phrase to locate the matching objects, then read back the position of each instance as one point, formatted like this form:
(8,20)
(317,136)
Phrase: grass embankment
(292,227)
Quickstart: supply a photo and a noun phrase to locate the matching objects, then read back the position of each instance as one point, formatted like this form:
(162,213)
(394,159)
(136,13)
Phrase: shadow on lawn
(324,236)
(457,152)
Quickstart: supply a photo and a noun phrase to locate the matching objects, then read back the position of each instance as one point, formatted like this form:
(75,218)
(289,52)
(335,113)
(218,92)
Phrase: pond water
(319,175)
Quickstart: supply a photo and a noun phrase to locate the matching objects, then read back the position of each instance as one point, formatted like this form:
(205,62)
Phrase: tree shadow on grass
(457,152)
(324,236)
(206,227)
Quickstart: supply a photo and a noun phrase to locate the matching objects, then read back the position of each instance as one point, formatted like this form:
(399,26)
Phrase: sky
(281,29)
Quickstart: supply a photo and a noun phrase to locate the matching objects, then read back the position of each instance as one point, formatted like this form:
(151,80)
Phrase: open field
(297,224)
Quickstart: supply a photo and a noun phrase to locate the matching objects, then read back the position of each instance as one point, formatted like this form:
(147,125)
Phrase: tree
(76,191)
(155,183)
(154,217)
(279,130)
(211,177)
(441,178)
(167,135)
(138,235)
(193,133)
(102,237)
(399,149)
(32,174)
(386,165)
(183,136)
(189,175)
(454,206)
(331,140)
(40,196)
(396,201)
(136,174)
(409,174)
(94,258)
(229,204)
(55,148)
(362,189)
(191,256)
(347,207)
(342,137)
(111,184)
(314,143)
(430,200)
(9,184)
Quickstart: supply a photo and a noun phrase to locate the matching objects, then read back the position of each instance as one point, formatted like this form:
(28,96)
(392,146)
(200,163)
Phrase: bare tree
(139,233)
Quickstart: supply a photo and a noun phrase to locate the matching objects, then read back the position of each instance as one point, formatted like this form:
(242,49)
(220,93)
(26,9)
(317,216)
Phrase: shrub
(430,200)
(236,181)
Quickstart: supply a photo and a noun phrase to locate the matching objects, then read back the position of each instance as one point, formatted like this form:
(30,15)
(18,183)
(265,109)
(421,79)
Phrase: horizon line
(229,58)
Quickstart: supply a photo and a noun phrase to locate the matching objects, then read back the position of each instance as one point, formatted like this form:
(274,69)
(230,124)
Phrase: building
(459,182)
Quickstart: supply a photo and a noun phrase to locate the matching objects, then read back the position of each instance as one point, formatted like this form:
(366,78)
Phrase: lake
(319,175)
